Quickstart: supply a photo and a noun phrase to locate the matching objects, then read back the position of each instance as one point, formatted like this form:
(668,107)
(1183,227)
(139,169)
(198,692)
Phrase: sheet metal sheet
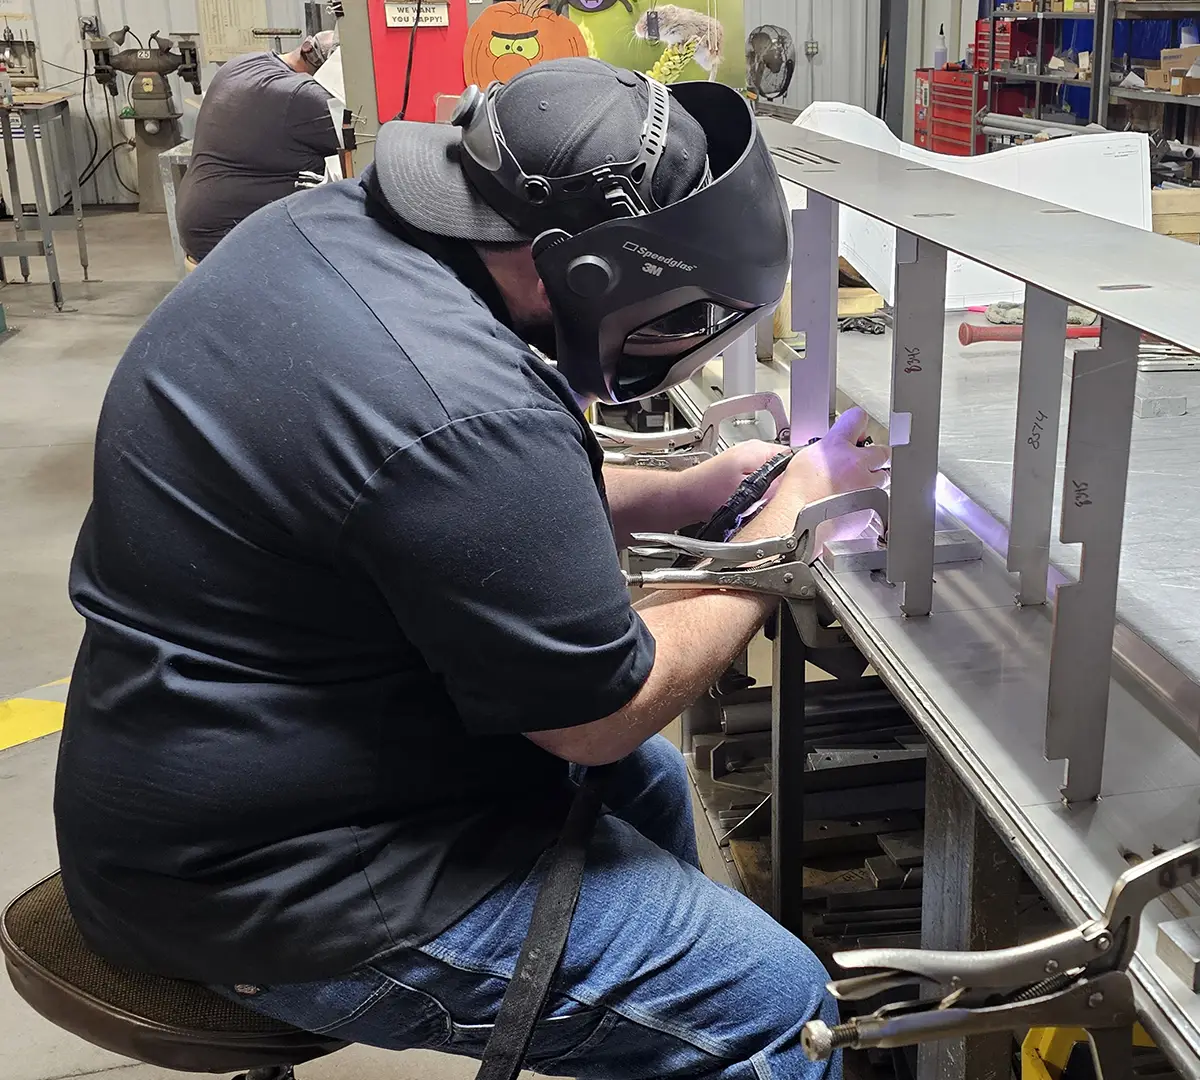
(1136,277)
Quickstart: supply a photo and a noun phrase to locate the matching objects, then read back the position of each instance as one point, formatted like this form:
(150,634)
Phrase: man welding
(355,617)
(263,127)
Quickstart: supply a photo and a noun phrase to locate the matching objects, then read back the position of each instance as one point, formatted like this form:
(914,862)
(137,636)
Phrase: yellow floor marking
(57,682)
(22,719)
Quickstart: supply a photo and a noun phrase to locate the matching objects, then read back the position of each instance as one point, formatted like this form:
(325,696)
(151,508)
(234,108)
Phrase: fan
(770,61)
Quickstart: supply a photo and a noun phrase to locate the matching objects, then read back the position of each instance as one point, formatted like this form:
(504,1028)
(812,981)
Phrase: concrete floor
(53,371)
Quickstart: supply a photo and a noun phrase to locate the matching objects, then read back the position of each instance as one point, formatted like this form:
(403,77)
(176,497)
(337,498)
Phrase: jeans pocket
(568,1026)
(319,1006)
(398,1017)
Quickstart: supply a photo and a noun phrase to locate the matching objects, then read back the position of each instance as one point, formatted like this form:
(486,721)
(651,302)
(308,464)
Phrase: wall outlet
(89,26)
(811,48)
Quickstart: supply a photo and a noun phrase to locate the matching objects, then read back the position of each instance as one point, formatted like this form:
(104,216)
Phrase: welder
(357,633)
(264,127)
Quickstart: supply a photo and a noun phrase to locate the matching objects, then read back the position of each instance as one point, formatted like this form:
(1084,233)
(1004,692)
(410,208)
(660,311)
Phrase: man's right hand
(835,464)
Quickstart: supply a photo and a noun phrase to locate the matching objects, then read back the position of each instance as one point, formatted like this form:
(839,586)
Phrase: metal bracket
(1035,453)
(1093,510)
(814,312)
(917,347)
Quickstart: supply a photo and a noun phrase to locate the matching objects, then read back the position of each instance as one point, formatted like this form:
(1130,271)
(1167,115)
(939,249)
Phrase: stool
(165,1022)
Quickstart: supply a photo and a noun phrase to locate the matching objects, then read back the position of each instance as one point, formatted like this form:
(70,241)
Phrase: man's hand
(837,463)
(834,465)
(711,482)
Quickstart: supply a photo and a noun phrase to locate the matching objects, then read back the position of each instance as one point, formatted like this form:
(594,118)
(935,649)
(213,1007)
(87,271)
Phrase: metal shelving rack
(1107,12)
(1040,78)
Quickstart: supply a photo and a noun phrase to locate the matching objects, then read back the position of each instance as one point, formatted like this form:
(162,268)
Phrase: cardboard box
(1184,85)
(1158,79)
(1024,5)
(1179,58)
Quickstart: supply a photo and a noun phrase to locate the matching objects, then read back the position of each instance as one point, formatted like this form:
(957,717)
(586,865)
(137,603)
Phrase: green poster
(688,41)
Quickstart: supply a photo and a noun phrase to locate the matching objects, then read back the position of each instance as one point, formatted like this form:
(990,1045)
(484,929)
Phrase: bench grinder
(155,118)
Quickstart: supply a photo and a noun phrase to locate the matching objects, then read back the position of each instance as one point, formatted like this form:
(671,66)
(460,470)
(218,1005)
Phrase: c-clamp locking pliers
(777,565)
(684,447)
(1077,978)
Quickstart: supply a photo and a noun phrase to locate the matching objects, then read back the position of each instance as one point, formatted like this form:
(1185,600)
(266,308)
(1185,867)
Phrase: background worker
(263,123)
(355,609)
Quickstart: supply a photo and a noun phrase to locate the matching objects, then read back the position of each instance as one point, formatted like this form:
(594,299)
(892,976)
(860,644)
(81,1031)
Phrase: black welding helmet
(646,282)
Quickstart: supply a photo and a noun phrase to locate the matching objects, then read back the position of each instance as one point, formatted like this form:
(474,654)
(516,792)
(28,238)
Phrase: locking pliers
(1077,978)
(778,565)
(682,448)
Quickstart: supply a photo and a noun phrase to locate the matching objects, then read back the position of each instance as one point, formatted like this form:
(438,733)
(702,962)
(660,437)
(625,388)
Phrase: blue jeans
(666,974)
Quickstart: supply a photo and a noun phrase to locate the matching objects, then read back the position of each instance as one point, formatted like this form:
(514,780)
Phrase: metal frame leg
(917,346)
(14,186)
(814,311)
(739,367)
(45,225)
(1099,429)
(170,174)
(968,901)
(63,115)
(787,762)
(1035,452)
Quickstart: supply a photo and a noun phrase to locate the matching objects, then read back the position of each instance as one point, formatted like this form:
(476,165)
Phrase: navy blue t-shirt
(348,540)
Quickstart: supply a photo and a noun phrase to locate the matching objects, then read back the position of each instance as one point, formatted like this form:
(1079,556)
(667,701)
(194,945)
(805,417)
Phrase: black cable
(93,169)
(112,124)
(412,43)
(83,92)
(50,63)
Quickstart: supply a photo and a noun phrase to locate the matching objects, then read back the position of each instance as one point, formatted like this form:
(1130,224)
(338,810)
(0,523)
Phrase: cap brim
(419,174)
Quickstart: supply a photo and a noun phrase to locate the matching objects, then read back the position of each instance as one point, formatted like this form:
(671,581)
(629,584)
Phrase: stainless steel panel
(1093,508)
(1136,277)
(1035,448)
(814,312)
(916,411)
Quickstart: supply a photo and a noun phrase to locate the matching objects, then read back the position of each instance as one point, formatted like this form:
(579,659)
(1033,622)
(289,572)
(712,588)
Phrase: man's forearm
(697,637)
(649,500)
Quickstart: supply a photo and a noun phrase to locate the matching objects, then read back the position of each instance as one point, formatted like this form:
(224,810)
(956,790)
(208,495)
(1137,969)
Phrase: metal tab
(1098,435)
(814,311)
(1035,453)
(919,321)
(867,553)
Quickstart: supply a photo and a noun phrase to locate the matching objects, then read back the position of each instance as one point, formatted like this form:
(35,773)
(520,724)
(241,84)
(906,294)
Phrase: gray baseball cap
(559,118)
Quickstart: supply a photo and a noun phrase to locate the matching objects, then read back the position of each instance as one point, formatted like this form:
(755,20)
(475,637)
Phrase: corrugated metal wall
(846,67)
(55,29)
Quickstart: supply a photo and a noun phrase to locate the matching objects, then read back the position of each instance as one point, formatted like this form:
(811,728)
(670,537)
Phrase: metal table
(38,111)
(173,164)
(997,686)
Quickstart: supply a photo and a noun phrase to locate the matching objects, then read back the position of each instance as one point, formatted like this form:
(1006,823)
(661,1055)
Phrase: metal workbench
(994,683)
(40,113)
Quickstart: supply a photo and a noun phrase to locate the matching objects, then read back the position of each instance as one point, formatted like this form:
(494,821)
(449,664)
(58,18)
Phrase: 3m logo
(650,268)
(662,260)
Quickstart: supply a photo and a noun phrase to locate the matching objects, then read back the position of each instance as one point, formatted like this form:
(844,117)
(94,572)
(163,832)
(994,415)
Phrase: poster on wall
(679,42)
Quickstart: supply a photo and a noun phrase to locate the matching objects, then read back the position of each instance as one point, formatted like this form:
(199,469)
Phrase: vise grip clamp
(775,566)
(1077,978)
(681,448)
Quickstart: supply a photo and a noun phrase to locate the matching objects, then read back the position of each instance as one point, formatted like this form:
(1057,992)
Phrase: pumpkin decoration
(511,35)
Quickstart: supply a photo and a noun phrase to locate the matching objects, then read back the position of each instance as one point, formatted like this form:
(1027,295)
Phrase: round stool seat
(166,1022)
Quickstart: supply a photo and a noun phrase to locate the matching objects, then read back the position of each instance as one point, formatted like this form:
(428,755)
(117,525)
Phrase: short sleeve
(309,119)
(493,547)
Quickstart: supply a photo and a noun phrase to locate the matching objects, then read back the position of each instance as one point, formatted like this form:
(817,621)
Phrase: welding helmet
(643,290)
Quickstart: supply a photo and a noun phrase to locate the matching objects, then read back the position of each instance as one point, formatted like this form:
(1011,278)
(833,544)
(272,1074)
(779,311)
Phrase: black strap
(546,940)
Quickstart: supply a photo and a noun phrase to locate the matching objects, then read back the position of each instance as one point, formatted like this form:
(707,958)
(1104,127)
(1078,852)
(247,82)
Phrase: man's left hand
(711,483)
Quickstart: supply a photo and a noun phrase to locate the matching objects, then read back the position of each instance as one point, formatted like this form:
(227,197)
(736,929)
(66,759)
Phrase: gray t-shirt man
(262,124)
